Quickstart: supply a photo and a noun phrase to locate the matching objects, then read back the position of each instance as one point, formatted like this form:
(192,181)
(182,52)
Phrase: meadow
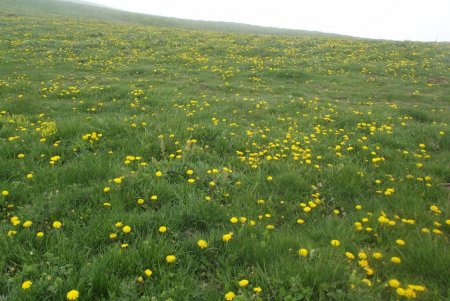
(152,163)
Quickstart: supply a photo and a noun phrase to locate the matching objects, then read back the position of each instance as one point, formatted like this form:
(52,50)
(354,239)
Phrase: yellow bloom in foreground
(26,284)
(27,224)
(57,224)
(400,242)
(394,283)
(396,259)
(335,243)
(171,258)
(159,174)
(148,272)
(229,296)
(5,193)
(227,237)
(73,295)
(40,234)
(303,252)
(162,229)
(243,282)
(202,244)
(257,290)
(126,229)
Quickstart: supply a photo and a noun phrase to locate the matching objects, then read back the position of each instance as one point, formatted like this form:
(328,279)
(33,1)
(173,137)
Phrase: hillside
(84,11)
(142,162)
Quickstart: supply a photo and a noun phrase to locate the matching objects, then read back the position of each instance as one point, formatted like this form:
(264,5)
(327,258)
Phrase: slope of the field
(68,9)
(149,163)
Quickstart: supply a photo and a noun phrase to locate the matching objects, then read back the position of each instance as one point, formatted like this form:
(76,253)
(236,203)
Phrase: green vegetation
(156,163)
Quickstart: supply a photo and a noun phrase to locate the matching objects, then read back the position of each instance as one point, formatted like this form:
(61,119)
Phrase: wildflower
(300,221)
(159,173)
(57,224)
(233,220)
(395,259)
(202,244)
(126,229)
(303,252)
(162,229)
(400,291)
(148,272)
(40,234)
(400,242)
(140,201)
(5,193)
(117,180)
(170,258)
(243,282)
(335,243)
(154,198)
(227,237)
(367,282)
(26,284)
(124,245)
(257,290)
(27,224)
(394,283)
(29,176)
(73,295)
(113,235)
(377,255)
(229,296)
(349,255)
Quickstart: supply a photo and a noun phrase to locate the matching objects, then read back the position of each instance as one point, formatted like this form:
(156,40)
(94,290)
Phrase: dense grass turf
(310,167)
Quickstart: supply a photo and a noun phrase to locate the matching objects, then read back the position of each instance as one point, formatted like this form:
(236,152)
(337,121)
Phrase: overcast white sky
(427,20)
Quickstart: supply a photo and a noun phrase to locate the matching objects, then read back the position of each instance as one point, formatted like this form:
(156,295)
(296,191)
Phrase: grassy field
(155,163)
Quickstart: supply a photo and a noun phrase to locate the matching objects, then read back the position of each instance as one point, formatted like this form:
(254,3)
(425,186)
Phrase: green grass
(278,124)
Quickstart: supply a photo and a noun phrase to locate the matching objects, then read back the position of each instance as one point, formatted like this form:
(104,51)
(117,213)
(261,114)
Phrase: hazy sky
(427,20)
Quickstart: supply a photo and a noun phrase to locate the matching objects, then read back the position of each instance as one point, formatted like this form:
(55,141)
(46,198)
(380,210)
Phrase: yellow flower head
(26,284)
(57,224)
(202,244)
(171,258)
(73,295)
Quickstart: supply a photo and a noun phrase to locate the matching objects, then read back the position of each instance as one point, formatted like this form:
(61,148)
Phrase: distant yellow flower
(154,198)
(148,272)
(27,224)
(230,296)
(202,244)
(26,284)
(126,229)
(349,255)
(303,252)
(162,229)
(40,234)
(159,173)
(395,259)
(257,290)
(400,242)
(400,291)
(57,224)
(29,176)
(170,258)
(335,243)
(243,282)
(117,180)
(5,192)
(377,255)
(113,236)
(227,237)
(394,283)
(73,295)
(300,221)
